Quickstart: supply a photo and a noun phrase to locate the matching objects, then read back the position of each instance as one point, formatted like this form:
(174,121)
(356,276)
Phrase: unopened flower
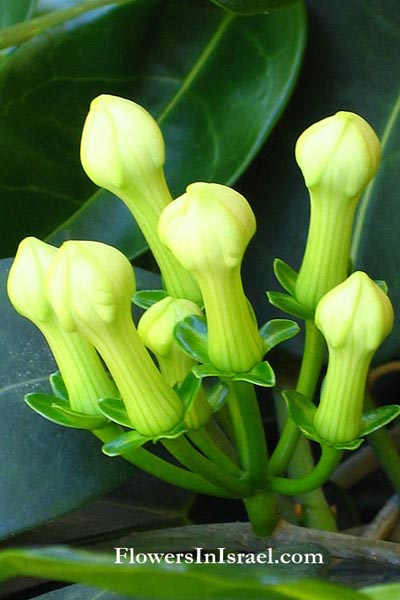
(156,329)
(338,157)
(354,317)
(81,369)
(208,229)
(122,150)
(90,286)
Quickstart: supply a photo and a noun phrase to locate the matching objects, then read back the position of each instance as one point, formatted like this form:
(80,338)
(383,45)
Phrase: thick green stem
(161,468)
(314,479)
(307,382)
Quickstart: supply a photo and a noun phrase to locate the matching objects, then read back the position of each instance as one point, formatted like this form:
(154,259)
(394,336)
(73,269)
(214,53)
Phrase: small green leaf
(378,417)
(217,395)
(276,331)
(146,298)
(114,409)
(188,390)
(289,305)
(382,284)
(302,410)
(173,433)
(58,385)
(124,442)
(191,334)
(286,276)
(262,374)
(58,411)
(208,370)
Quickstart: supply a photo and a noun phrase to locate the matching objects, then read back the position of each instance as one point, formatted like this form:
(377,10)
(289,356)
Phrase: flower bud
(338,157)
(122,150)
(90,286)
(82,372)
(208,229)
(354,317)
(156,329)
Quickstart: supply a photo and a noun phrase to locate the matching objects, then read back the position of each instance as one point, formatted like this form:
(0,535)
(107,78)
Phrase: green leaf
(378,417)
(59,412)
(114,409)
(146,298)
(15,12)
(289,305)
(390,591)
(125,442)
(252,7)
(208,370)
(286,276)
(58,386)
(217,395)
(276,331)
(262,374)
(302,410)
(148,51)
(168,581)
(188,390)
(191,334)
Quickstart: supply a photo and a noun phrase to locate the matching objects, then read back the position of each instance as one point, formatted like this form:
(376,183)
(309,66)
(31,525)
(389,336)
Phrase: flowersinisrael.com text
(219,556)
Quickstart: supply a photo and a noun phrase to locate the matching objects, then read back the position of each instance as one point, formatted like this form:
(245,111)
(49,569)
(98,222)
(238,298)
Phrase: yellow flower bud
(90,286)
(83,374)
(208,229)
(354,317)
(122,150)
(156,329)
(338,157)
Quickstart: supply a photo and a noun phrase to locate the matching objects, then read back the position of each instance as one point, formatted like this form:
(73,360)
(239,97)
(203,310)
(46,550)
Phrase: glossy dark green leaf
(114,409)
(58,386)
(168,581)
(59,412)
(378,417)
(146,298)
(289,305)
(252,7)
(15,12)
(191,334)
(124,442)
(351,64)
(46,470)
(147,50)
(217,395)
(276,331)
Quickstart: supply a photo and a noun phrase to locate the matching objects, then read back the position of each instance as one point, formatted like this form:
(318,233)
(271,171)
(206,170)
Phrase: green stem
(183,451)
(249,433)
(161,468)
(211,450)
(319,475)
(385,450)
(21,32)
(307,382)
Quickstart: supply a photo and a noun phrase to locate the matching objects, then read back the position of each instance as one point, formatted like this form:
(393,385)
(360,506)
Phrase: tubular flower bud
(338,157)
(122,150)
(90,286)
(156,329)
(354,317)
(208,229)
(81,369)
